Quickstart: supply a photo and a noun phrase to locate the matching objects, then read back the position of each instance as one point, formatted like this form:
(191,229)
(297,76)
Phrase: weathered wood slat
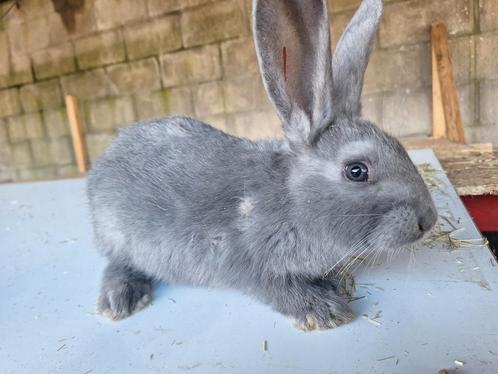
(472,169)
(447,119)
(77,133)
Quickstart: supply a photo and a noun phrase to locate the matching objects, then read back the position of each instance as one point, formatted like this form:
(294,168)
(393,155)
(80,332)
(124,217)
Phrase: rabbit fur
(179,201)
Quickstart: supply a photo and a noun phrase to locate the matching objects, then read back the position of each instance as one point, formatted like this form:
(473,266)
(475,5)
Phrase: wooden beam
(438,121)
(73,114)
(447,119)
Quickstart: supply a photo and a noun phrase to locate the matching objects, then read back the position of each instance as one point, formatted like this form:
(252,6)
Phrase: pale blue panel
(436,305)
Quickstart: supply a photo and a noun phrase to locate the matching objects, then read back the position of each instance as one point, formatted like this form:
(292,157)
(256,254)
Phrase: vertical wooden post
(447,120)
(73,115)
(438,121)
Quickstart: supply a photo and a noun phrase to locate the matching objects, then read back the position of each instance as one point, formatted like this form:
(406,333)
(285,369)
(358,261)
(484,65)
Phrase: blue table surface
(430,308)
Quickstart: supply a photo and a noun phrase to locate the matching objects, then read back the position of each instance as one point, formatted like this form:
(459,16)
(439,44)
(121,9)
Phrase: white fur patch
(246,206)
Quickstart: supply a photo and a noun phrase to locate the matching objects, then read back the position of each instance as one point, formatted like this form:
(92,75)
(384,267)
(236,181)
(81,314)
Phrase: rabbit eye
(357,172)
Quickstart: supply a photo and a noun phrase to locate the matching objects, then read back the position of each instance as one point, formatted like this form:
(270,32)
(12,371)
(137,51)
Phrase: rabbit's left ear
(293,47)
(351,56)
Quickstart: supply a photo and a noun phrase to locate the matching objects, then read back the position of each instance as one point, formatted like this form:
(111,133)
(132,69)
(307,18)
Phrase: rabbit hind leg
(124,291)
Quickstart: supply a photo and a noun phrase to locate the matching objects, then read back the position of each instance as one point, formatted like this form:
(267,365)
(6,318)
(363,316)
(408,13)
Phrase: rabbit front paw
(312,305)
(323,315)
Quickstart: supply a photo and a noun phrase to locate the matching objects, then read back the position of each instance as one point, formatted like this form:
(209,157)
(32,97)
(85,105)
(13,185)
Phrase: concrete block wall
(133,60)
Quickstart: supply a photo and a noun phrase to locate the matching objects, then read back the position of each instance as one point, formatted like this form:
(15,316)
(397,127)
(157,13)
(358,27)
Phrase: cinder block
(407,112)
(405,67)
(84,19)
(19,71)
(56,122)
(109,113)
(35,9)
(208,98)
(25,126)
(4,59)
(466,96)
(489,102)
(245,94)
(101,49)
(462,57)
(34,125)
(372,108)
(15,129)
(61,151)
(158,7)
(9,102)
(212,22)
(375,80)
(48,152)
(112,13)
(247,7)
(487,56)
(8,174)
(28,35)
(67,171)
(21,154)
(153,37)
(488,15)
(483,134)
(141,75)
(41,152)
(408,22)
(97,143)
(4,49)
(218,121)
(256,125)
(411,66)
(191,66)
(29,173)
(408,67)
(341,5)
(4,138)
(53,61)
(14,17)
(90,84)
(239,58)
(41,95)
(5,156)
(168,102)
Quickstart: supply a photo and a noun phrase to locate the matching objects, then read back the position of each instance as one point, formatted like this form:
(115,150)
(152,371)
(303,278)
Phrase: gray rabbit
(178,201)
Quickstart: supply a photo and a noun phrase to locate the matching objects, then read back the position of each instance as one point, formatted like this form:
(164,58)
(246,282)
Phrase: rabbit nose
(427,219)
(423,226)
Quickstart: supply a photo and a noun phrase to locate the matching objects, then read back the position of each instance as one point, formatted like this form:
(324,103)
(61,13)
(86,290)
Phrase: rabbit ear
(293,47)
(351,55)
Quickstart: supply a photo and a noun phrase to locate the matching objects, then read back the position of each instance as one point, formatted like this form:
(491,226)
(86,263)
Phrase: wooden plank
(471,168)
(438,121)
(73,114)
(447,86)
(443,147)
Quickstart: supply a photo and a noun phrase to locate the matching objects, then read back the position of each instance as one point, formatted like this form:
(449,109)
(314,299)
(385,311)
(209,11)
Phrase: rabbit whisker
(347,255)
(342,272)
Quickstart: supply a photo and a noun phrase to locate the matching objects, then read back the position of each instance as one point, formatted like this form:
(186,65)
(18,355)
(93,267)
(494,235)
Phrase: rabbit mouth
(399,227)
